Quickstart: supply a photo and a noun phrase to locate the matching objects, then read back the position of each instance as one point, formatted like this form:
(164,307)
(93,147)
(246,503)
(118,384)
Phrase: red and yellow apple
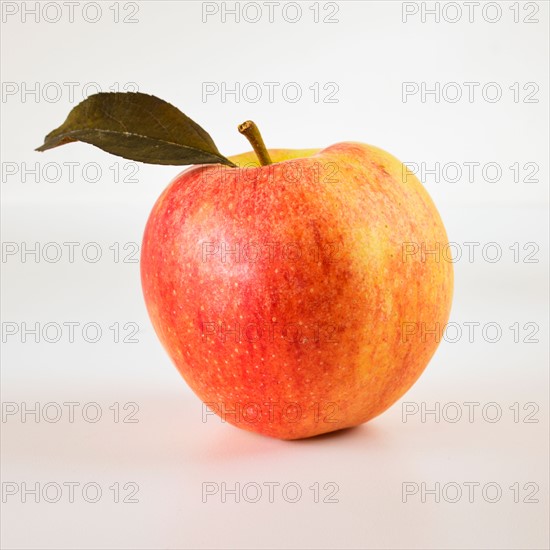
(291,295)
(281,292)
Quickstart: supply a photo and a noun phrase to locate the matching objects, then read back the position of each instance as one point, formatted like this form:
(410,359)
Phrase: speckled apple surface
(287,295)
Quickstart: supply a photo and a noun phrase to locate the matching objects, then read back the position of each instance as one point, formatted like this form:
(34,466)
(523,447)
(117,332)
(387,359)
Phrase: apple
(299,295)
(292,297)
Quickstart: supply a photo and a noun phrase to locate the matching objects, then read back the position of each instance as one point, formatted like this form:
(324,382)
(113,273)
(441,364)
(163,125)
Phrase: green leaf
(138,127)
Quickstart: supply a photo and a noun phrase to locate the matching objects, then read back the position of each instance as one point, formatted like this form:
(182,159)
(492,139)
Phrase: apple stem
(250,131)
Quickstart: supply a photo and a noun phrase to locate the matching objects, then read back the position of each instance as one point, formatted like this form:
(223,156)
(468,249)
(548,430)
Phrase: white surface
(170,452)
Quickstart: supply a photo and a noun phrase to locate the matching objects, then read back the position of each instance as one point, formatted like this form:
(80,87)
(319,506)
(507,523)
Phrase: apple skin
(281,292)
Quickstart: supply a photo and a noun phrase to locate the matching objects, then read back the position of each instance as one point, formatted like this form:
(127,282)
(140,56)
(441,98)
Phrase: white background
(170,452)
